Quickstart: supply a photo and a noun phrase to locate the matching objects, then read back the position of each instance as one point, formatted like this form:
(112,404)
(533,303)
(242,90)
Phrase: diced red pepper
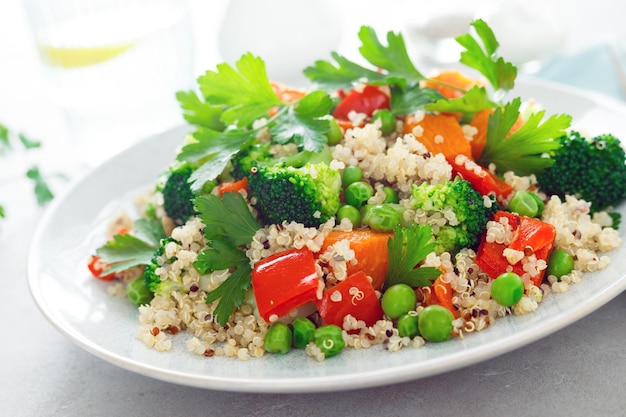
(97,267)
(483,180)
(284,281)
(534,233)
(355,296)
(233,186)
(529,233)
(366,101)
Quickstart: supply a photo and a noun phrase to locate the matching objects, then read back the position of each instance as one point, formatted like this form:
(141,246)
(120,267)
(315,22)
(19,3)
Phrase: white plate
(79,307)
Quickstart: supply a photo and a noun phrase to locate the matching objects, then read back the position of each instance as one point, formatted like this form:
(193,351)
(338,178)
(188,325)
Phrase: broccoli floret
(308,195)
(591,169)
(178,195)
(455,210)
(152,279)
(259,154)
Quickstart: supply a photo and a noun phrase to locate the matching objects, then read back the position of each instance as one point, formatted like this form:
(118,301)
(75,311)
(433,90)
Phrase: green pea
(400,210)
(524,204)
(435,323)
(357,193)
(351,213)
(391,195)
(278,338)
(334,134)
(387,119)
(380,217)
(398,300)
(138,292)
(507,289)
(351,174)
(303,330)
(540,204)
(408,325)
(560,263)
(329,339)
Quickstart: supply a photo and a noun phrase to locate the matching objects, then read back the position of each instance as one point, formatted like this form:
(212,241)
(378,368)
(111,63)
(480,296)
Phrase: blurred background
(103,73)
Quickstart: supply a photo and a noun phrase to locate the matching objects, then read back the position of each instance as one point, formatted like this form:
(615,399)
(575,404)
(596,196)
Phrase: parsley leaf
(393,58)
(524,151)
(2,214)
(215,149)
(227,218)
(150,230)
(228,224)
(198,112)
(407,248)
(219,255)
(304,124)
(230,293)
(412,99)
(501,74)
(392,64)
(246,94)
(475,99)
(5,143)
(127,250)
(29,143)
(42,191)
(343,74)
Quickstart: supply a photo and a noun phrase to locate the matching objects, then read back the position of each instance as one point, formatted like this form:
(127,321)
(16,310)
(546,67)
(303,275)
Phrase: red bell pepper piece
(233,186)
(97,267)
(529,232)
(534,233)
(355,296)
(483,180)
(95,264)
(366,101)
(284,281)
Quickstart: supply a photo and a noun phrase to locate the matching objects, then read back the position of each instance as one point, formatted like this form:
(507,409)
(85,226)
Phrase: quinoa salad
(379,208)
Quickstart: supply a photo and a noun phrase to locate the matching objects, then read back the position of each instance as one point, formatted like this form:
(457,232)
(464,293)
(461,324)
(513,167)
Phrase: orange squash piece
(440,133)
(370,250)
(450,83)
(480,121)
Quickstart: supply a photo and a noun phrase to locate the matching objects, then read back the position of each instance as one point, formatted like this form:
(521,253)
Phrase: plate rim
(457,360)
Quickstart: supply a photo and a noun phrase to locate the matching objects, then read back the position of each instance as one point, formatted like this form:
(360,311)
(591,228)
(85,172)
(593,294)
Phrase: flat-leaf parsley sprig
(229,225)
(393,67)
(407,249)
(127,250)
(234,98)
(525,150)
(500,73)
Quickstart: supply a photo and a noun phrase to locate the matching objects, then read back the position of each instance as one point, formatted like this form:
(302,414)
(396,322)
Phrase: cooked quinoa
(398,160)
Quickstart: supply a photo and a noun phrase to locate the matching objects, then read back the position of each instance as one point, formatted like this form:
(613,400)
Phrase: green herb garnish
(241,95)
(28,143)
(42,191)
(407,249)
(474,100)
(524,151)
(198,112)
(392,64)
(5,143)
(501,74)
(128,250)
(229,224)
